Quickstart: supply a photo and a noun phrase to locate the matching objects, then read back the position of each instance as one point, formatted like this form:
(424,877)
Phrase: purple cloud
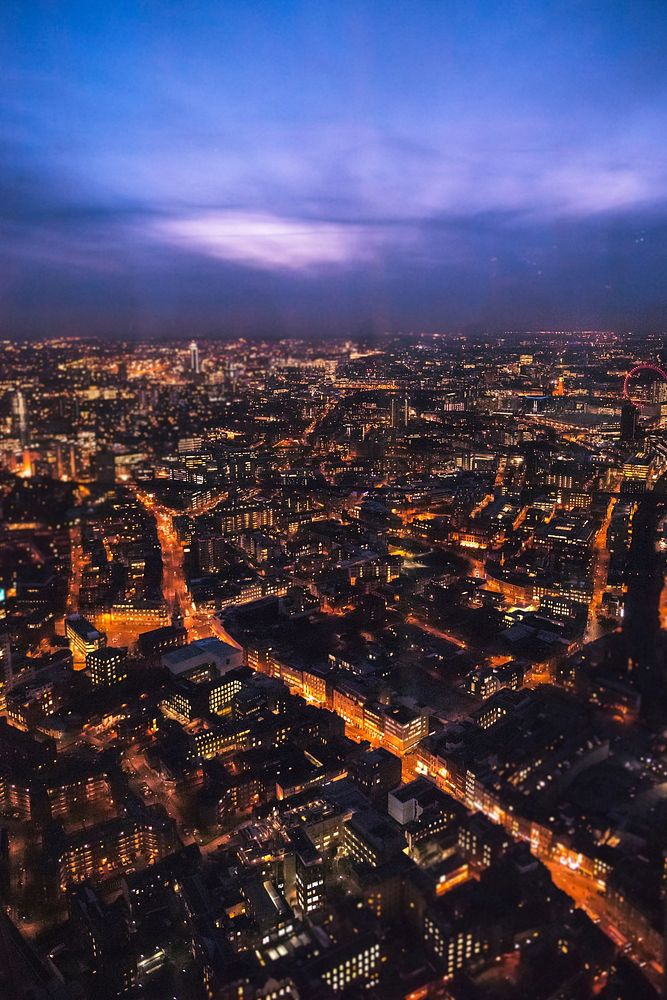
(263,240)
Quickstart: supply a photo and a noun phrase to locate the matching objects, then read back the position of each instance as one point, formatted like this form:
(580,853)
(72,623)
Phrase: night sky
(273,168)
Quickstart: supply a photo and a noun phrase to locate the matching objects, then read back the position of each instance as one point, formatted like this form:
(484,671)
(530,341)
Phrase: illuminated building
(15,795)
(257,545)
(161,640)
(496,707)
(20,417)
(222,692)
(5,650)
(212,552)
(348,702)
(403,728)
(78,794)
(198,656)
(194,358)
(455,947)
(560,607)
(399,411)
(376,772)
(568,537)
(266,905)
(423,811)
(237,518)
(139,611)
(398,728)
(451,872)
(187,700)
(235,795)
(37,697)
(265,586)
(309,877)
(636,471)
(315,688)
(369,838)
(359,961)
(482,841)
(109,847)
(219,739)
(83,637)
(107,666)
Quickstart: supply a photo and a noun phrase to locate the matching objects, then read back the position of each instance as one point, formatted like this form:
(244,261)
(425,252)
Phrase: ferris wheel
(641,367)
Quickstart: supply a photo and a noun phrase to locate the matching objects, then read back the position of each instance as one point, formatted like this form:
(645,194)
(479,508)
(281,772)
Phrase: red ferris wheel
(641,367)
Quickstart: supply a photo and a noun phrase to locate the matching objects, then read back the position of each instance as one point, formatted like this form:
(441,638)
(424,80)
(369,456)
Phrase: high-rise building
(104,467)
(399,411)
(20,417)
(211,550)
(636,474)
(641,621)
(659,391)
(662,416)
(628,422)
(309,878)
(5,650)
(194,358)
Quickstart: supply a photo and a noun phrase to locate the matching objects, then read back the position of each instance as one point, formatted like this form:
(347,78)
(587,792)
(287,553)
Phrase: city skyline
(340,169)
(333,668)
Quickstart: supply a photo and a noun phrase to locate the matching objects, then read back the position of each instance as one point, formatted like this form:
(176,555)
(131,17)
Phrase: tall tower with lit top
(20,417)
(194,358)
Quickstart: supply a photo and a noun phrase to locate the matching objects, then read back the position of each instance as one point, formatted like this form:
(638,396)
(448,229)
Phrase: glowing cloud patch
(266,241)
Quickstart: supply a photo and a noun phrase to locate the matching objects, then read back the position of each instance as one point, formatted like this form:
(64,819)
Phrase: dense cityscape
(333,669)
